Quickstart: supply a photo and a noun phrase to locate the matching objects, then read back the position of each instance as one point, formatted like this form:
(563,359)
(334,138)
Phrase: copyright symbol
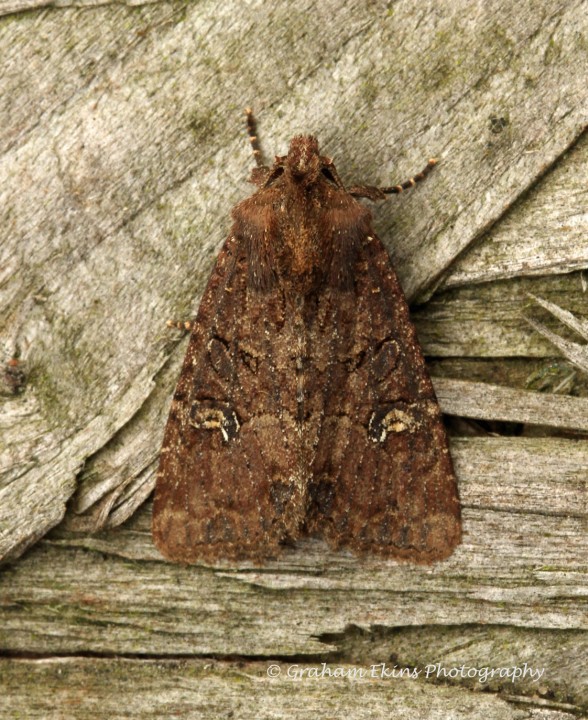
(273,671)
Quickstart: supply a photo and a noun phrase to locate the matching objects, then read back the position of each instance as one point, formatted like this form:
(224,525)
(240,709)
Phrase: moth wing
(228,484)
(383,479)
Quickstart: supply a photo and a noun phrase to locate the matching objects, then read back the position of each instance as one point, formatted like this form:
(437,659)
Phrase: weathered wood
(575,352)
(544,233)
(489,320)
(115,482)
(559,652)
(493,402)
(546,375)
(8,7)
(523,562)
(122,155)
(88,689)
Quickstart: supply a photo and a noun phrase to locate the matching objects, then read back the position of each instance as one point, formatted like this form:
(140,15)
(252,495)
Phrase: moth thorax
(303,161)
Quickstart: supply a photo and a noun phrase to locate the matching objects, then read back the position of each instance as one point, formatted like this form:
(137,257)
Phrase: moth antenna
(379,193)
(419,177)
(253,139)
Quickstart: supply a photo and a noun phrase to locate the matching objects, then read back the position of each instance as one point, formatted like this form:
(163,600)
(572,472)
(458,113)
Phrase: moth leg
(379,193)
(181,324)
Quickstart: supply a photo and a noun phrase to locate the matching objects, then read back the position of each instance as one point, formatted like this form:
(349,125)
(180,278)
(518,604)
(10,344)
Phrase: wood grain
(127,688)
(121,155)
(492,402)
(544,233)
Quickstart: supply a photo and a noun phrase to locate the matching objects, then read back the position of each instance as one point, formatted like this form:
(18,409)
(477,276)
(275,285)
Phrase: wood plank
(544,233)
(89,688)
(493,402)
(546,375)
(488,320)
(480,647)
(523,562)
(511,570)
(121,154)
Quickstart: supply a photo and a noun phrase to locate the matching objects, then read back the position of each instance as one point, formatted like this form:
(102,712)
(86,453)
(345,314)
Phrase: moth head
(303,162)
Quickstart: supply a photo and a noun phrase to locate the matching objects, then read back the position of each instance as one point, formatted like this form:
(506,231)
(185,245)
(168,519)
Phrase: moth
(304,406)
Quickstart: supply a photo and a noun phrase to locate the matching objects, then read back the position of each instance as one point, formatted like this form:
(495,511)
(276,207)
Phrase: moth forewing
(304,405)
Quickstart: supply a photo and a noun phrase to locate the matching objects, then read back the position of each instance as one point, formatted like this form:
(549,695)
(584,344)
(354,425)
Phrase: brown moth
(304,406)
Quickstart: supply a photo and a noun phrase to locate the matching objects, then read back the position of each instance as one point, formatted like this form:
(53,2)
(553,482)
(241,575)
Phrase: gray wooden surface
(121,153)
